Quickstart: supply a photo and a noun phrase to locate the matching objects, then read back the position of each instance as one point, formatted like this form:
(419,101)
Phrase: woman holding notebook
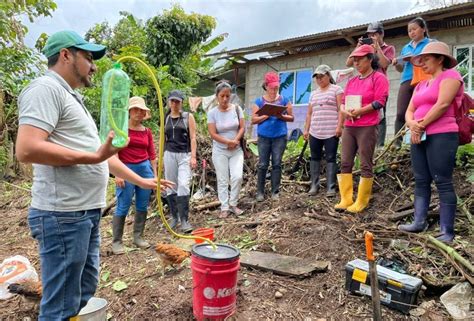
(272,132)
(364,95)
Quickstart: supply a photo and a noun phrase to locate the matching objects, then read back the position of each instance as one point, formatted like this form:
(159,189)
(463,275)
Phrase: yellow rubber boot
(345,190)
(363,195)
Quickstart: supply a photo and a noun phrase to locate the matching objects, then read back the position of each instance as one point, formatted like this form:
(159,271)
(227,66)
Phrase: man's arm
(32,146)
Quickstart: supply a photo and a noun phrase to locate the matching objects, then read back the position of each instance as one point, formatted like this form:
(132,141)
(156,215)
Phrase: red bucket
(203,232)
(214,281)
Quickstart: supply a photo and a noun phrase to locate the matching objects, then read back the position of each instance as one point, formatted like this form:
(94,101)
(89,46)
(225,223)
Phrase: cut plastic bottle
(114,106)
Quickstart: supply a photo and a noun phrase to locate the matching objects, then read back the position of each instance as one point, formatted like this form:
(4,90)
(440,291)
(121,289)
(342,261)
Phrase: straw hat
(436,47)
(139,102)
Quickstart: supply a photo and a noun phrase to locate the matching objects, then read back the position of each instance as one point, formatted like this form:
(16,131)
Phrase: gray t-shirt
(227,123)
(49,103)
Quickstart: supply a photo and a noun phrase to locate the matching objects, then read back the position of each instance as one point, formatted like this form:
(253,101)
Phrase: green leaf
(105,276)
(119,286)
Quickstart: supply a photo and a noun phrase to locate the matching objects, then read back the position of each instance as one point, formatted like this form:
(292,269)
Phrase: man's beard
(84,80)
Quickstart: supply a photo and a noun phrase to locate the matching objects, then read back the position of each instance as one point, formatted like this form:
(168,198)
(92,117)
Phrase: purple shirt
(426,95)
(389,52)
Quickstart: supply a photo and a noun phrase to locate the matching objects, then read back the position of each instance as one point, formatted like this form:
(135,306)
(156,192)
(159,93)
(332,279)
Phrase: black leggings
(330,148)
(403,100)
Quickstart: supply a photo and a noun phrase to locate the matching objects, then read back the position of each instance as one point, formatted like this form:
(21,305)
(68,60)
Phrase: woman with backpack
(434,136)
(140,157)
(179,157)
(226,126)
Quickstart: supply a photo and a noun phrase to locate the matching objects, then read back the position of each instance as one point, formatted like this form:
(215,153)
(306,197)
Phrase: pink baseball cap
(362,51)
(271,80)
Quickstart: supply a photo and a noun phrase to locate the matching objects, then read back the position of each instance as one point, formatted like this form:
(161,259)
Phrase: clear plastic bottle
(114,105)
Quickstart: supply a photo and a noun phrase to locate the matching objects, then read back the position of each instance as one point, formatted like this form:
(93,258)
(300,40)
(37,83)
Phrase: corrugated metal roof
(272,46)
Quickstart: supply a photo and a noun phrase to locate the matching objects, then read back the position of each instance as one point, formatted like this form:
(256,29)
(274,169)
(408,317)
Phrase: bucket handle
(208,270)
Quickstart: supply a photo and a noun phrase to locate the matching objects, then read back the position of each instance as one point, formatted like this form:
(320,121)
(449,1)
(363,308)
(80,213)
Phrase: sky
(247,22)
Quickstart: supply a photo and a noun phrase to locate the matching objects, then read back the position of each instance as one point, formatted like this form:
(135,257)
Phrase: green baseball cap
(66,39)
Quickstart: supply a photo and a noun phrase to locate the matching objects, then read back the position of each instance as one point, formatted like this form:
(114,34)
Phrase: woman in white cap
(323,127)
(434,136)
(179,158)
(140,157)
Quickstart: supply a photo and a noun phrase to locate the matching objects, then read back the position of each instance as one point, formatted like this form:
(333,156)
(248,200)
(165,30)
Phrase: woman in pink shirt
(363,98)
(432,112)
(140,157)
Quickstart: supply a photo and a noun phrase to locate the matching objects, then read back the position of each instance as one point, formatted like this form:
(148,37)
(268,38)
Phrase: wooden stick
(207,206)
(398,216)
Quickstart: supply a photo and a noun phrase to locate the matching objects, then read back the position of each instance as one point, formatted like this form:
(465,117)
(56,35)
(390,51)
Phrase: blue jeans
(142,196)
(69,245)
(434,160)
(274,147)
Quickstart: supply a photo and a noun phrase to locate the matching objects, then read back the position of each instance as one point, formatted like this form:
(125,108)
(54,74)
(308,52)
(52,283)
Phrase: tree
(172,37)
(18,64)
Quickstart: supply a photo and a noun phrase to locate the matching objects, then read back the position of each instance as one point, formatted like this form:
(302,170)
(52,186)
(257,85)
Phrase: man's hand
(106,150)
(119,182)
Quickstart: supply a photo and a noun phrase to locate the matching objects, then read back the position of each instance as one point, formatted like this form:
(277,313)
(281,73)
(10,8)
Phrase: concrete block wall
(336,58)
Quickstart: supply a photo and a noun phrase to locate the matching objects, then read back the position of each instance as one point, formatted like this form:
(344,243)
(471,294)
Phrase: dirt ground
(296,225)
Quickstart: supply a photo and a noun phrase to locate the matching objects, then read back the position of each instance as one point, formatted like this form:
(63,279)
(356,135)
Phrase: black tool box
(397,291)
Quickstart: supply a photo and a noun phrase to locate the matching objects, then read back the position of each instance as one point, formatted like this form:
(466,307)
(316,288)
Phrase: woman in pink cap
(364,95)
(272,132)
(434,136)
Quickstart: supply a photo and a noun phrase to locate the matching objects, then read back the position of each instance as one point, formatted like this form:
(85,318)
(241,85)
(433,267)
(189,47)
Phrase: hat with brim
(67,39)
(323,70)
(176,95)
(362,51)
(437,48)
(139,102)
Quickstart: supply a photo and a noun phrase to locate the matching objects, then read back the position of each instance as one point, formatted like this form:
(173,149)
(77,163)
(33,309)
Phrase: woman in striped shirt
(323,127)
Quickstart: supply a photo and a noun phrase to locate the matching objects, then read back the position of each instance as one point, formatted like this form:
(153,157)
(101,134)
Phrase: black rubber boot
(314,169)
(138,228)
(447,212)
(331,170)
(183,211)
(118,222)
(173,210)
(276,179)
(398,126)
(419,224)
(261,177)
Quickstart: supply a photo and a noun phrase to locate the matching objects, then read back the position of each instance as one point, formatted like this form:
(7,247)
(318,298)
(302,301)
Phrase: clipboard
(271,110)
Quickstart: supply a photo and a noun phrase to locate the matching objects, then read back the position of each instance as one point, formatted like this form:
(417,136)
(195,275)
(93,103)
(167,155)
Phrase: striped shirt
(324,112)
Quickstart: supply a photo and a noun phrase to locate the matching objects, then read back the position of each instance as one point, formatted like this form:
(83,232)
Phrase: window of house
(465,57)
(296,85)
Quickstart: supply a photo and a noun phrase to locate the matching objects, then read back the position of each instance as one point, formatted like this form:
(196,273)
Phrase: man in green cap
(71,168)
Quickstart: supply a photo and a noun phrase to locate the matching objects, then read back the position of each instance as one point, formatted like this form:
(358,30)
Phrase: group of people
(71,167)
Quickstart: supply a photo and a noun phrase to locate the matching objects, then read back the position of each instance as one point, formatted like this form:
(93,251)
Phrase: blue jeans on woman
(69,245)
(142,196)
(274,147)
(434,160)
